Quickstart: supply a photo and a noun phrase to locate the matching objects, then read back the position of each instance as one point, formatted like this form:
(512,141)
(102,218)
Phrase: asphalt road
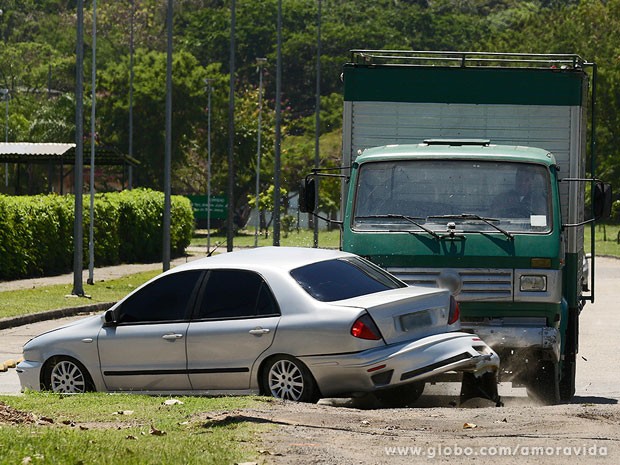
(598,372)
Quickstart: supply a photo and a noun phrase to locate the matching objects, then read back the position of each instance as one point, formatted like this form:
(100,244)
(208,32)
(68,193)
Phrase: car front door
(235,321)
(145,349)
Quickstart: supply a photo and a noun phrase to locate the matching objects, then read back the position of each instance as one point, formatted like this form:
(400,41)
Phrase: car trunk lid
(407,313)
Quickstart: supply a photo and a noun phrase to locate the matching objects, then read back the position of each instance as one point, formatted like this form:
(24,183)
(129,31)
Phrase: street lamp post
(230,234)
(78,233)
(317,130)
(168,151)
(209,88)
(5,95)
(131,74)
(278,141)
(91,226)
(260,62)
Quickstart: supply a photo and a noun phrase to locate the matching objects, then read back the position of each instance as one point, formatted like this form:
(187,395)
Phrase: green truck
(468,171)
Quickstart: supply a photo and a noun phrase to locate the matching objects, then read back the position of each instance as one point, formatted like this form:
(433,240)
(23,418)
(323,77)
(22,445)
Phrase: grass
(22,302)
(606,237)
(90,428)
(301,238)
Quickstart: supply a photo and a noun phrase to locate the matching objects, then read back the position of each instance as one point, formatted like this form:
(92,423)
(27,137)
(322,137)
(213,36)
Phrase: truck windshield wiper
(472,216)
(411,219)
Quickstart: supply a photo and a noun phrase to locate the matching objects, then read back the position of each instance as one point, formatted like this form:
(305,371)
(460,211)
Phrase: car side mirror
(307,195)
(109,318)
(602,200)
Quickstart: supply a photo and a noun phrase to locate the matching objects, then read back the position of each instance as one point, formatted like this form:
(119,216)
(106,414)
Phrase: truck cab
(484,221)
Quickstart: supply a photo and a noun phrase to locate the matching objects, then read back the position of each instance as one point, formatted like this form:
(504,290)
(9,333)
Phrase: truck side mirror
(307,195)
(602,200)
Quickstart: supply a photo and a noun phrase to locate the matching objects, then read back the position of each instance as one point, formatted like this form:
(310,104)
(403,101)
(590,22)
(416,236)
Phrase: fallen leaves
(155,432)
(28,459)
(172,402)
(15,417)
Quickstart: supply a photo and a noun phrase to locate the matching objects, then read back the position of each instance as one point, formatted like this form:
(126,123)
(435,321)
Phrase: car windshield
(343,278)
(431,196)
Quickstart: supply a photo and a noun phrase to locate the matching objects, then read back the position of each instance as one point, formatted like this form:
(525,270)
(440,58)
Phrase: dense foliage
(37,66)
(36,232)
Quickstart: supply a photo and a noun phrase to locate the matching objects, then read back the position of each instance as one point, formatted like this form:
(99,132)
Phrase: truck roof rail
(467,59)
(458,142)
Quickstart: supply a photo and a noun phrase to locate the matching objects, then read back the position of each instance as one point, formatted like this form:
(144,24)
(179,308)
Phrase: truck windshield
(465,196)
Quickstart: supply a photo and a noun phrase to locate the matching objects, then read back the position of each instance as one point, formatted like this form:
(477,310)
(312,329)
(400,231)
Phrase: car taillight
(365,328)
(455,311)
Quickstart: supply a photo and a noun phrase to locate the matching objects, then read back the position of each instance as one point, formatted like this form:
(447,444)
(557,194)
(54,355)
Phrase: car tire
(401,396)
(66,375)
(287,378)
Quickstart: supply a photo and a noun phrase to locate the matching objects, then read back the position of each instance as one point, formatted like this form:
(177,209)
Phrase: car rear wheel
(287,378)
(401,396)
(68,376)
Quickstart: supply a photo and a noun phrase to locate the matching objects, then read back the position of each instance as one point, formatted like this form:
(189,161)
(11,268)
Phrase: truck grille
(476,283)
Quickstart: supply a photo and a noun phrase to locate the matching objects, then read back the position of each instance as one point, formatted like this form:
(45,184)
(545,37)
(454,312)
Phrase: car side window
(165,299)
(236,294)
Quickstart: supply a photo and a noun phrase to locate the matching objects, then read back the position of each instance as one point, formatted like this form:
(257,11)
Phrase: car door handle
(259,331)
(172,337)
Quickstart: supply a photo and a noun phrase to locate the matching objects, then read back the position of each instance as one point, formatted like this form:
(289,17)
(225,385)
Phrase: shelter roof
(29,152)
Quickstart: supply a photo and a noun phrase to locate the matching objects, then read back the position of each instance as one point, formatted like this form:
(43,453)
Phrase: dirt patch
(11,416)
(306,434)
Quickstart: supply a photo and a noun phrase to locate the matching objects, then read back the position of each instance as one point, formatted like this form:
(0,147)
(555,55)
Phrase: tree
(188,100)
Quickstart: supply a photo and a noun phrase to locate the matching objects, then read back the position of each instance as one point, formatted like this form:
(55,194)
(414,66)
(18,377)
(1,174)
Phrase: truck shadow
(369,402)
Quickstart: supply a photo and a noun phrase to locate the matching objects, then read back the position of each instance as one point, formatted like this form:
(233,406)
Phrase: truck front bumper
(518,338)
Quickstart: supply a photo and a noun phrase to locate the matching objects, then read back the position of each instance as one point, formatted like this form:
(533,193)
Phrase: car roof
(261,258)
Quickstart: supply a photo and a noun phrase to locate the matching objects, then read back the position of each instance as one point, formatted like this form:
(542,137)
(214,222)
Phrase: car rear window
(343,278)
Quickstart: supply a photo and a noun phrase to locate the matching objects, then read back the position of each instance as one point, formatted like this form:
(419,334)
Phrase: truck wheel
(569,364)
(567,383)
(401,396)
(544,384)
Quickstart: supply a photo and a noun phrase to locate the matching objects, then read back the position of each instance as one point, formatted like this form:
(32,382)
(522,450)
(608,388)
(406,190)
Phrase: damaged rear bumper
(398,364)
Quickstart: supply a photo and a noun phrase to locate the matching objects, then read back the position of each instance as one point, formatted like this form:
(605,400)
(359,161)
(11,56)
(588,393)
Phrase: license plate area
(415,321)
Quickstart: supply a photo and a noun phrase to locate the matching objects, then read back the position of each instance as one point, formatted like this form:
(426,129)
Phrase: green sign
(200,204)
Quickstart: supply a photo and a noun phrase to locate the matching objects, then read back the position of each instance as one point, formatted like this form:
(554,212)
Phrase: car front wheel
(287,378)
(68,376)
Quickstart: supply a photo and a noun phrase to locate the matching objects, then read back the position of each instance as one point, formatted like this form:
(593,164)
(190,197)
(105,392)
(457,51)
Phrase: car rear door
(235,321)
(145,350)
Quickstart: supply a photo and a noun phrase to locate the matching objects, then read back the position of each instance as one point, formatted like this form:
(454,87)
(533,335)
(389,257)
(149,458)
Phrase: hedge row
(36,233)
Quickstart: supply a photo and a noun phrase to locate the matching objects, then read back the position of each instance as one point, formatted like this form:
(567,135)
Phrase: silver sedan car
(294,323)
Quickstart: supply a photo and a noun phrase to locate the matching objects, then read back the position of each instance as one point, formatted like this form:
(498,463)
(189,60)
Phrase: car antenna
(210,252)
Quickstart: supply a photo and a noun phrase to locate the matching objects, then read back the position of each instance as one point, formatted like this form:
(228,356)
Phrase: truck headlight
(533,283)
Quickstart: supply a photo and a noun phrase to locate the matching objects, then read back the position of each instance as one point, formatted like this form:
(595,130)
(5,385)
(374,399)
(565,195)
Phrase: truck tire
(569,363)
(543,383)
(567,383)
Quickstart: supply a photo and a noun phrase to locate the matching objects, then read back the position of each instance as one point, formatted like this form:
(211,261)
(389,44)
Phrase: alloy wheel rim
(67,377)
(286,380)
